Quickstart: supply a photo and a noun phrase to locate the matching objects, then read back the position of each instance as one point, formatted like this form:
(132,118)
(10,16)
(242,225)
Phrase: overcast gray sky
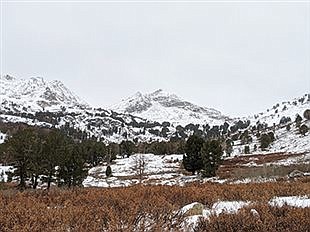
(239,58)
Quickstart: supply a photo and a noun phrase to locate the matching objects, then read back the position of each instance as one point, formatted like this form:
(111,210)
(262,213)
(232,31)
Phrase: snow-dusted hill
(36,94)
(161,106)
(287,109)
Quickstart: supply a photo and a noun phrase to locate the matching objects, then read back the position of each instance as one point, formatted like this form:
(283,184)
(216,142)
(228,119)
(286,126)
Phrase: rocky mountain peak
(36,94)
(163,106)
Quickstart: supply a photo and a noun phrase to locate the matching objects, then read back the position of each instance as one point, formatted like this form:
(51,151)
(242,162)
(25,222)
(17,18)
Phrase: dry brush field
(150,208)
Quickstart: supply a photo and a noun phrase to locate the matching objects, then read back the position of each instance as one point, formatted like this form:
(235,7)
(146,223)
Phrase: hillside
(288,109)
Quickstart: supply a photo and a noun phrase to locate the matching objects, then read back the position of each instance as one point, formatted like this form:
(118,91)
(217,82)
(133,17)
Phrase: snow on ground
(166,170)
(287,109)
(158,169)
(294,201)
(225,207)
(291,141)
(286,141)
(3,172)
(17,119)
(196,211)
(2,137)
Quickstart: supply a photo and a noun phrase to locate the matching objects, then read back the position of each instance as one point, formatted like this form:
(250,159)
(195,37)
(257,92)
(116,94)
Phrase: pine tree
(246,149)
(192,160)
(108,171)
(303,129)
(298,120)
(307,114)
(37,158)
(211,152)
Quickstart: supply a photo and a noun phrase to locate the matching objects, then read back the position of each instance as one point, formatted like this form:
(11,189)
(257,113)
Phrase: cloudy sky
(239,58)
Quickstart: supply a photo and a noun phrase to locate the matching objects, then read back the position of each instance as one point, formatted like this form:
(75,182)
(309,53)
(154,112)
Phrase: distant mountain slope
(288,109)
(161,106)
(36,94)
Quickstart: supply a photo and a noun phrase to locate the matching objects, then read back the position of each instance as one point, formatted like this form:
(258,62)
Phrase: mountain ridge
(162,106)
(37,94)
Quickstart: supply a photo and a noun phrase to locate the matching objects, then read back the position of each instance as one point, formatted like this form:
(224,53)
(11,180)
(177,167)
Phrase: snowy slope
(161,106)
(284,109)
(36,94)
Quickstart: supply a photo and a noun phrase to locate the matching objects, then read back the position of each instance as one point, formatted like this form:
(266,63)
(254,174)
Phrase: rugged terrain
(46,104)
(161,106)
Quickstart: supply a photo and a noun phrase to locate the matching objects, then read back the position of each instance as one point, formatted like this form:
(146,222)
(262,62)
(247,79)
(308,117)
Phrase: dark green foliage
(23,147)
(303,129)
(229,146)
(245,137)
(298,120)
(204,156)
(108,171)
(247,149)
(211,153)
(95,152)
(285,120)
(113,151)
(55,152)
(192,160)
(47,155)
(307,114)
(271,136)
(164,132)
(266,140)
(127,148)
(72,169)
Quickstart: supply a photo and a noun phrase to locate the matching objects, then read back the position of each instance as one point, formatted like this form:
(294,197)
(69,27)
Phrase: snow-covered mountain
(161,106)
(36,94)
(48,104)
(141,117)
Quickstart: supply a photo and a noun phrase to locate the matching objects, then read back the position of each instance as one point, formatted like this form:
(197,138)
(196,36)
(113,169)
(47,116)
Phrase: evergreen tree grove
(203,156)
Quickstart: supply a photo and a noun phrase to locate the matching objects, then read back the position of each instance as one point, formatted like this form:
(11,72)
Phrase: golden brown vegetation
(267,219)
(152,208)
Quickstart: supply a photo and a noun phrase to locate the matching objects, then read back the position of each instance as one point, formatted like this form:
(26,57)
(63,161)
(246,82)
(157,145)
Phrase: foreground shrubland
(151,208)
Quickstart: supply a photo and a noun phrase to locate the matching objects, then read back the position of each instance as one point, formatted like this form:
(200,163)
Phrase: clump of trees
(203,156)
(50,156)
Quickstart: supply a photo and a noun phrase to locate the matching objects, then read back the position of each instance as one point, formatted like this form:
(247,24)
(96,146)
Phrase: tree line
(50,156)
